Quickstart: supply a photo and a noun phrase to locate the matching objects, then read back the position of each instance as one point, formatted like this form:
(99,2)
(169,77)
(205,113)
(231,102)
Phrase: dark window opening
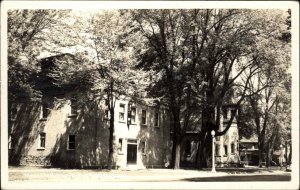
(71,142)
(143,147)
(225,149)
(156,119)
(188,148)
(225,113)
(45,110)
(144,114)
(232,148)
(74,106)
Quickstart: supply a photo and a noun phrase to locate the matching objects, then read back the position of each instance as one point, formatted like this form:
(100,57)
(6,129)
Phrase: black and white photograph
(149,95)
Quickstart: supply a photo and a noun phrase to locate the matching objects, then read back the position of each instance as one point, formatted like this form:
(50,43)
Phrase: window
(71,142)
(133,114)
(11,144)
(156,119)
(232,113)
(122,112)
(144,119)
(225,149)
(45,110)
(143,147)
(74,106)
(120,148)
(42,140)
(225,113)
(188,148)
(217,149)
(232,148)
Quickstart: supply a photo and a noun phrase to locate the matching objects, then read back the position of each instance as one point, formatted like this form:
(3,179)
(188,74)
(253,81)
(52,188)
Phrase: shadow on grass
(242,178)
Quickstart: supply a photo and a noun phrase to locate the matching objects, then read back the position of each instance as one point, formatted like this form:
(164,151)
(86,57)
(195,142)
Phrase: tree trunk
(176,149)
(111,154)
(260,154)
(268,155)
(177,154)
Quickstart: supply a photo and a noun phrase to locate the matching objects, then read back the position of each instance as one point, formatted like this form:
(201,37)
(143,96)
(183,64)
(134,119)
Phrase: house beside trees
(146,87)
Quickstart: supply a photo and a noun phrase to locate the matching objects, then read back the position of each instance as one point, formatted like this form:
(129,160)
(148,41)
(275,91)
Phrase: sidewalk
(145,175)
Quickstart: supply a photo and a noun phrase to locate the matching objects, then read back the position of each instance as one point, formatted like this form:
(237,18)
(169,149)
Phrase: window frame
(225,114)
(156,119)
(68,145)
(133,115)
(122,111)
(232,148)
(45,111)
(143,145)
(42,141)
(74,106)
(120,146)
(142,121)
(225,150)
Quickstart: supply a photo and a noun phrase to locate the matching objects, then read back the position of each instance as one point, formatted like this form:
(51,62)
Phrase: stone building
(68,130)
(227,151)
(226,146)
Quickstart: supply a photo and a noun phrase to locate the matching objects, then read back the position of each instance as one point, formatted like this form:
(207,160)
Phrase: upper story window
(74,106)
(45,110)
(144,117)
(122,112)
(71,142)
(42,140)
(225,113)
(156,119)
(232,113)
(133,115)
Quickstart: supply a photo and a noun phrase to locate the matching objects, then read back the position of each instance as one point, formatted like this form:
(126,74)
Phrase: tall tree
(202,53)
(269,108)
(168,37)
(111,44)
(28,33)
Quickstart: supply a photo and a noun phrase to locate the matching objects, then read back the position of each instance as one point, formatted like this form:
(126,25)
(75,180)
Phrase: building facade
(68,136)
(226,148)
(66,129)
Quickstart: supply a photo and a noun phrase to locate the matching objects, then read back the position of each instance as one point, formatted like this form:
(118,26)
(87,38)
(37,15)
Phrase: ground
(35,174)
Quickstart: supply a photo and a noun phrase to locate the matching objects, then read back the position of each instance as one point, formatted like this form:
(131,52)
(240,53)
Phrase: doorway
(131,152)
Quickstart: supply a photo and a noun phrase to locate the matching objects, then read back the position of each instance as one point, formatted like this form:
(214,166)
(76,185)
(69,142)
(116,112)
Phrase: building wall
(90,128)
(227,145)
